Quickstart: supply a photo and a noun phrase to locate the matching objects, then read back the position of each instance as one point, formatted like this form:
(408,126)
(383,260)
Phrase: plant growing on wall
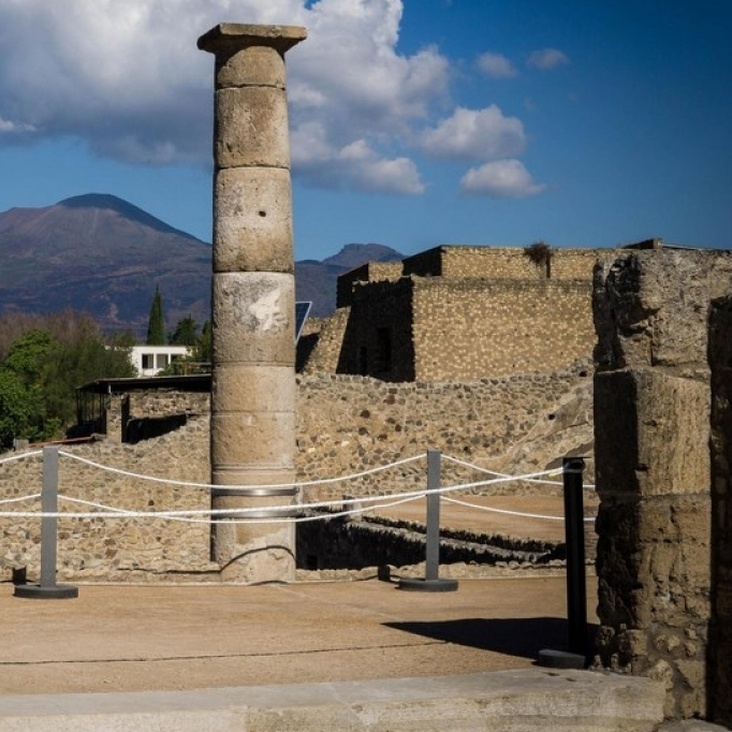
(540,253)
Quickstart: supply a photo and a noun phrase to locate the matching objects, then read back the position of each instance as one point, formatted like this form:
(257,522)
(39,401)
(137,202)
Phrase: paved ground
(128,638)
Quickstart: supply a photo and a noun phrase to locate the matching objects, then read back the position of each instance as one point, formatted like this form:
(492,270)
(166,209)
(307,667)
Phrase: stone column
(253,298)
(652,438)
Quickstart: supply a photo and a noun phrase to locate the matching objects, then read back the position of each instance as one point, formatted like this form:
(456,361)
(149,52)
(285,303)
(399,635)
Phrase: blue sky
(414,123)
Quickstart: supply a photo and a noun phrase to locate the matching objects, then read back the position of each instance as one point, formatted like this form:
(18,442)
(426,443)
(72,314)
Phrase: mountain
(316,281)
(100,254)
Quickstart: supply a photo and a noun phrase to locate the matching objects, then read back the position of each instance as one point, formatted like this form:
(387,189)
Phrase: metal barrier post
(574,528)
(48,589)
(431,581)
(574,533)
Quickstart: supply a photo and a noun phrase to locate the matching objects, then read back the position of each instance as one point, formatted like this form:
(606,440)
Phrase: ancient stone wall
(459,313)
(525,422)
(470,328)
(127,548)
(369,272)
(652,431)
(142,413)
(378,336)
(502,263)
(720,632)
(346,424)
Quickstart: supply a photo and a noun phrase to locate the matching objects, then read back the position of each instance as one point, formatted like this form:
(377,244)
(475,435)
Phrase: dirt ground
(153,637)
(131,638)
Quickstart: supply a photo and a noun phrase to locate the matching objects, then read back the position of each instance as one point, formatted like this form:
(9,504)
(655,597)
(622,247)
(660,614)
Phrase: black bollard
(574,532)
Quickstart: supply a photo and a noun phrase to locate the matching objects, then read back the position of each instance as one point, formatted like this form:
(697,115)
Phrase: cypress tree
(156,322)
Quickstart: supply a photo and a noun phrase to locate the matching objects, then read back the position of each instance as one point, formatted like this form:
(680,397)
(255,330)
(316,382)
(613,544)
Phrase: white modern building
(151,360)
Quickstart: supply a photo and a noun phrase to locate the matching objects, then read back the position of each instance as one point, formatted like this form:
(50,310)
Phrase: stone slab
(502,701)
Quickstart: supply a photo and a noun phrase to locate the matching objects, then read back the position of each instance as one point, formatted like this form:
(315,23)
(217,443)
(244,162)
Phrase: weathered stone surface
(253,220)
(656,417)
(253,388)
(253,287)
(345,424)
(652,432)
(257,439)
(250,126)
(251,66)
(651,307)
(254,314)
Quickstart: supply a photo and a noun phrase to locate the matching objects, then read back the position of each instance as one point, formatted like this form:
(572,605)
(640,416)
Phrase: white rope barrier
(31,497)
(123,513)
(185,516)
(22,456)
(473,466)
(189,484)
(510,513)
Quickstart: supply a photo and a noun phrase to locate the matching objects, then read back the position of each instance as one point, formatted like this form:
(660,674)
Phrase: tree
(202,351)
(21,411)
(39,376)
(74,365)
(185,333)
(156,321)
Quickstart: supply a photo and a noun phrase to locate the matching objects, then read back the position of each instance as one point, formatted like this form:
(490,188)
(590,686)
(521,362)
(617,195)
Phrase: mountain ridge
(100,254)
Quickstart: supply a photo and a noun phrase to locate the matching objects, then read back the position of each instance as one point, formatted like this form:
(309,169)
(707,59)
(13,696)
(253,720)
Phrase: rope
(122,513)
(510,513)
(22,498)
(22,456)
(189,484)
(473,466)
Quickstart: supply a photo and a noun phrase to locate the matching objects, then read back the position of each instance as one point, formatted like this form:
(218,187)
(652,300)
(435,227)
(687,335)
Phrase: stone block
(253,388)
(651,433)
(252,220)
(251,128)
(251,66)
(257,439)
(651,307)
(254,318)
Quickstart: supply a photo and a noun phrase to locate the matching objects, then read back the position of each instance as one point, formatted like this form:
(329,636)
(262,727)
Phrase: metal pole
(431,582)
(49,524)
(48,589)
(434,469)
(574,527)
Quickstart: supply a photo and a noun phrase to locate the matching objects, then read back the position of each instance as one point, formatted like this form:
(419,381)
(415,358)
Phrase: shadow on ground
(523,637)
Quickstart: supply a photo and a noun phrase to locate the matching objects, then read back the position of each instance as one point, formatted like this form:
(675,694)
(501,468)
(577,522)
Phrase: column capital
(231,37)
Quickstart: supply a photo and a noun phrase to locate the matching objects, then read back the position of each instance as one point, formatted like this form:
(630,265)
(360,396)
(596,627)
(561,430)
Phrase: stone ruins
(253,300)
(662,389)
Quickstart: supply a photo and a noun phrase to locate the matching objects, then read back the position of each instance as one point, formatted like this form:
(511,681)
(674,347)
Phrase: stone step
(501,701)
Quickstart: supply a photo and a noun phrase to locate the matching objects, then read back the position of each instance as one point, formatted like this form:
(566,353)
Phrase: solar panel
(301,315)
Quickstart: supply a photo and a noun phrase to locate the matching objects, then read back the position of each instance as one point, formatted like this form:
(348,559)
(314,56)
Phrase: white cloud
(500,179)
(547,59)
(8,126)
(475,134)
(355,165)
(496,66)
(127,78)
